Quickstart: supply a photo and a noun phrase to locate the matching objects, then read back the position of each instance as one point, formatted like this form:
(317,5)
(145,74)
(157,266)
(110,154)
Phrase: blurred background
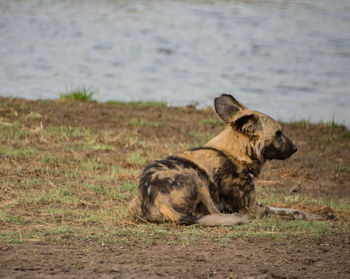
(289,59)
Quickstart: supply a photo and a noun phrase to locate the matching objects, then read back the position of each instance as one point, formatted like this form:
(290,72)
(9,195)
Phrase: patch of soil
(325,257)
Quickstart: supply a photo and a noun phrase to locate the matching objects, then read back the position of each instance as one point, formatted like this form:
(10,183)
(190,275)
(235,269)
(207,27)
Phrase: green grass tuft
(15,153)
(78,94)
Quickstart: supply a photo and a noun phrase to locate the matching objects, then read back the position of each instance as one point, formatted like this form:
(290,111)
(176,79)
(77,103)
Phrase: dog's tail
(215,220)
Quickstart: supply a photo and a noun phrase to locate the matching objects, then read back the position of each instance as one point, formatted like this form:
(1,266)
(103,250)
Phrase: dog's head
(265,134)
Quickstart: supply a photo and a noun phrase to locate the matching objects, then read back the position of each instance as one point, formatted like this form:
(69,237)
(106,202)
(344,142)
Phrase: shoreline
(156,103)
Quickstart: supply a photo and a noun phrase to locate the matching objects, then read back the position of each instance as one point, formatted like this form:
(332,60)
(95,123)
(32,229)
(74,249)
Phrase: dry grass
(63,182)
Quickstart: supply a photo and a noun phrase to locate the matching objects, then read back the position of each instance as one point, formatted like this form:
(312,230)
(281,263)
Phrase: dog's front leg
(256,209)
(260,210)
(293,214)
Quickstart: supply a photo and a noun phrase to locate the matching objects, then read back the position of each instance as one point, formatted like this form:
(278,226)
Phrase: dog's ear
(226,107)
(247,124)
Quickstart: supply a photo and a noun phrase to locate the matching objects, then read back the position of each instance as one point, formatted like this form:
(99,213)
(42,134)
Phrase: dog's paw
(309,217)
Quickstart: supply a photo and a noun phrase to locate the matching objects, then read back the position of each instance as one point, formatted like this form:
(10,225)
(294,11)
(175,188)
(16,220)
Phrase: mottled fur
(214,184)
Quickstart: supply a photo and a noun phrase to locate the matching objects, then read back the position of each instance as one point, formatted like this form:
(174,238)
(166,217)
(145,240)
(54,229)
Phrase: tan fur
(169,213)
(235,144)
(202,157)
(134,207)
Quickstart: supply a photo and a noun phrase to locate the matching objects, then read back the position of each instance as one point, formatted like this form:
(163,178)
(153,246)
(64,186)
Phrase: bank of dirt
(319,169)
(324,257)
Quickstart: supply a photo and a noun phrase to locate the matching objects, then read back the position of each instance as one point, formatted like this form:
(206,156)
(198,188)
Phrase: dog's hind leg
(166,212)
(293,214)
(207,200)
(215,218)
(169,213)
(163,210)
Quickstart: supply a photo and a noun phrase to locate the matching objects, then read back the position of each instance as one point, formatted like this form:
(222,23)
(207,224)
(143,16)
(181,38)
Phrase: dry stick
(19,233)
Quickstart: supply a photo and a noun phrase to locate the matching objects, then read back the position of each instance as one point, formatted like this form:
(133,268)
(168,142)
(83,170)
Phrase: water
(290,59)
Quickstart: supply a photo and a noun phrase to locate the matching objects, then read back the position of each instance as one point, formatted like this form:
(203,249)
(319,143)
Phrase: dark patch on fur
(247,124)
(188,220)
(227,166)
(187,164)
(231,201)
(227,169)
(144,183)
(280,148)
(202,209)
(167,184)
(226,106)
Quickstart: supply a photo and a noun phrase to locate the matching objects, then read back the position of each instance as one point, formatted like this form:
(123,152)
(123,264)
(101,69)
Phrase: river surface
(290,59)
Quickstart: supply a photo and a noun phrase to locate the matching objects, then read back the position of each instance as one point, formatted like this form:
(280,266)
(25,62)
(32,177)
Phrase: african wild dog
(214,184)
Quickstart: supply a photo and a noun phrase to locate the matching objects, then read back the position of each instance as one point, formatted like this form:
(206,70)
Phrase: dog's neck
(239,147)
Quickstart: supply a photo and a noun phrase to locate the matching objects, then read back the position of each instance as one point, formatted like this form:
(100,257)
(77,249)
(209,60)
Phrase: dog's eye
(278,133)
